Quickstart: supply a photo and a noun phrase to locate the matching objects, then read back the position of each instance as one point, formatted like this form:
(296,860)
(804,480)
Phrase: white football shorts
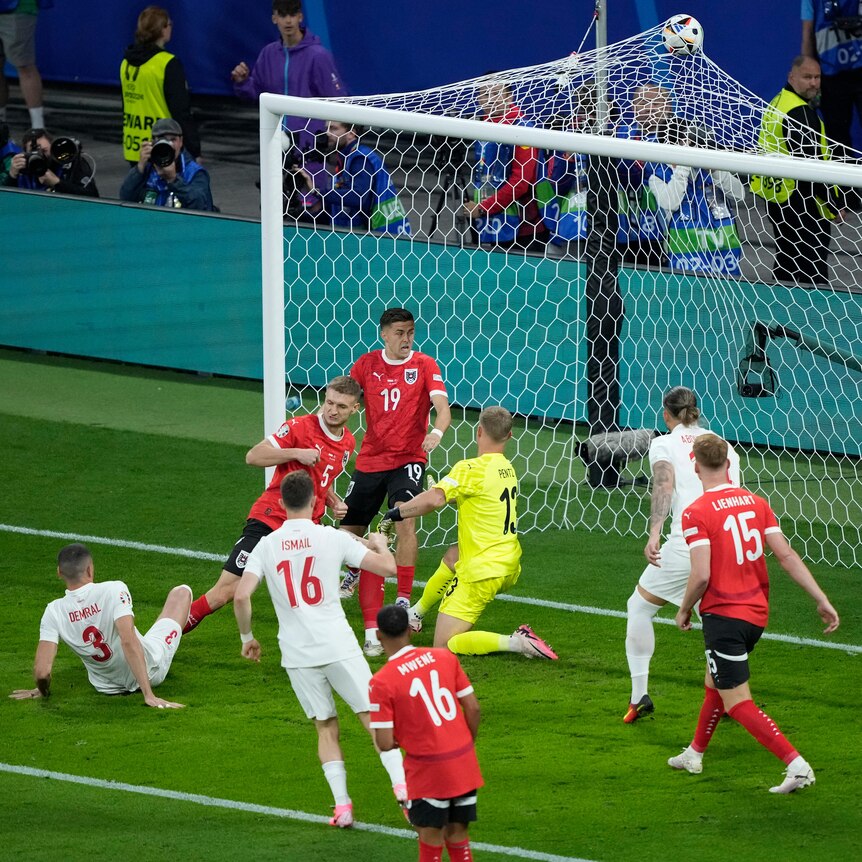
(313,686)
(669,580)
(160,646)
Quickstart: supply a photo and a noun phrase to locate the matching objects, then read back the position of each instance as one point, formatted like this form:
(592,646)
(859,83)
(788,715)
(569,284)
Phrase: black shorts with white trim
(437,813)
(728,643)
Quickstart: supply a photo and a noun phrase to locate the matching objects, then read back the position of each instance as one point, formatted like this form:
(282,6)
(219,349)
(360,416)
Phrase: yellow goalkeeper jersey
(486,492)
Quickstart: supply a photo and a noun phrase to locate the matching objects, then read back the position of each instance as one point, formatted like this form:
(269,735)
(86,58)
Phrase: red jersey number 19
(439,702)
(310,587)
(391,397)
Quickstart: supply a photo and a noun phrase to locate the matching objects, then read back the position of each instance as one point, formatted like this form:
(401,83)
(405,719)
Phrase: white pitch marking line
(523,600)
(286,813)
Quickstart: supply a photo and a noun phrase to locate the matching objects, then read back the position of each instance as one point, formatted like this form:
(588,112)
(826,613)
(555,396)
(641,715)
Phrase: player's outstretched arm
(660,500)
(472,712)
(442,420)
(792,563)
(42,667)
(135,658)
(379,558)
(421,504)
(242,611)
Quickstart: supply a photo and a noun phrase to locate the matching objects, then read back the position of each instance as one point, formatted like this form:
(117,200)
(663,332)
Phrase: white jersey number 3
(746,542)
(440,703)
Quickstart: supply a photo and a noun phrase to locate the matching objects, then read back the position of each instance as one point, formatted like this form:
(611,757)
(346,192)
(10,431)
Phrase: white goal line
(249,807)
(522,600)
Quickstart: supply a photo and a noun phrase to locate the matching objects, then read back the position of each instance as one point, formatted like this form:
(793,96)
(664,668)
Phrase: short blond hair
(497,422)
(710,451)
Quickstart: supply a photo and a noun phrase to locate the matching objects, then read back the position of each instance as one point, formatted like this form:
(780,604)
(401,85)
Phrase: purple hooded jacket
(307,69)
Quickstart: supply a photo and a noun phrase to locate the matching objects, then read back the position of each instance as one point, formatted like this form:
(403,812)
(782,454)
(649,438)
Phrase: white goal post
(775,461)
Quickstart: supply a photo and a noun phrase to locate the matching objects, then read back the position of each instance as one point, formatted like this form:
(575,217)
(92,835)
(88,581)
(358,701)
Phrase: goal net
(574,239)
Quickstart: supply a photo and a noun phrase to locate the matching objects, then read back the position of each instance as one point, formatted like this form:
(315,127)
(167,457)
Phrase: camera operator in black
(166,175)
(50,165)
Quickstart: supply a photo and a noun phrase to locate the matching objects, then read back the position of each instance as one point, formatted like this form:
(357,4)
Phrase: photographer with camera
(8,148)
(49,165)
(363,195)
(166,175)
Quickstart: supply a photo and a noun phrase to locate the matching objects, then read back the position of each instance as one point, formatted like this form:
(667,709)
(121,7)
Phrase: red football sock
(459,852)
(763,729)
(200,608)
(710,713)
(405,581)
(430,853)
(370,597)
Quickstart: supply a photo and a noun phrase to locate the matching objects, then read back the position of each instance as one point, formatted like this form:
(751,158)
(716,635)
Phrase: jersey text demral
(84,613)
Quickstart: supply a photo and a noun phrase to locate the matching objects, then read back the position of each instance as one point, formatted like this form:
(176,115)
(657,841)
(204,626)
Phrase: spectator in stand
(641,232)
(18,46)
(701,235)
(163,181)
(38,169)
(504,206)
(295,65)
(801,212)
(832,35)
(8,148)
(362,194)
(154,85)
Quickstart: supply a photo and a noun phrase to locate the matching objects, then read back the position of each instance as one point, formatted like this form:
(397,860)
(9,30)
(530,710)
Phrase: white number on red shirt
(310,587)
(391,397)
(737,526)
(324,479)
(440,703)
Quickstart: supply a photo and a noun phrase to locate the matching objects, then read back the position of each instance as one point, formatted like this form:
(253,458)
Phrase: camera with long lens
(162,153)
(64,151)
(36,164)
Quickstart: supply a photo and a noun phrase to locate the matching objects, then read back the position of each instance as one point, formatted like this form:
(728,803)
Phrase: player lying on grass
(423,701)
(318,443)
(727,530)
(301,563)
(485,490)
(96,622)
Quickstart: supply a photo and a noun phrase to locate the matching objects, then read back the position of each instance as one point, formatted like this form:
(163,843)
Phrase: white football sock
(393,763)
(640,642)
(37,118)
(336,777)
(371,635)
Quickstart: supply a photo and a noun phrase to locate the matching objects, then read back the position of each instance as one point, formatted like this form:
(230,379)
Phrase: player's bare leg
(332,762)
(214,598)
(177,604)
(640,645)
(393,762)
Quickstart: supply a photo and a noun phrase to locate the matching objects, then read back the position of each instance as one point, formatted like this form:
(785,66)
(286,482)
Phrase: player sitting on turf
(423,701)
(301,562)
(96,621)
(320,444)
(485,489)
(727,530)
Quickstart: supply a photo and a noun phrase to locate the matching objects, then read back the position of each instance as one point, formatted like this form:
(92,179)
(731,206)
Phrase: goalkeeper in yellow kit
(485,489)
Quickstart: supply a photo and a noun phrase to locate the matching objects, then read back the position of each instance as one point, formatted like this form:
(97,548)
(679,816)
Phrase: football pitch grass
(154,458)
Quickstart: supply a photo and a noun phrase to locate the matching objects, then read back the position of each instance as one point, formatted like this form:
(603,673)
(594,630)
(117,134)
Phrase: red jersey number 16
(439,701)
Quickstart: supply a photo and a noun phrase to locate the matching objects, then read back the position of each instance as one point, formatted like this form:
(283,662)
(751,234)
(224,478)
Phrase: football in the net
(682,35)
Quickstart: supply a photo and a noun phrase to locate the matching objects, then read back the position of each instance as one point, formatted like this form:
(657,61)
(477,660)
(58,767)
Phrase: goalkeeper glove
(393,515)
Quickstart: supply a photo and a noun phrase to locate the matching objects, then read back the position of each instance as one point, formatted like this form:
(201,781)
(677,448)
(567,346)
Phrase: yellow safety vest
(143,100)
(773,140)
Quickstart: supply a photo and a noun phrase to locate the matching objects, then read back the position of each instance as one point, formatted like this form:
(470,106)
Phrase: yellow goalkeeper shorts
(467,598)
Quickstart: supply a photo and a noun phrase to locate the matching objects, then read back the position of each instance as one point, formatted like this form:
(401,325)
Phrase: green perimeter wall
(183,291)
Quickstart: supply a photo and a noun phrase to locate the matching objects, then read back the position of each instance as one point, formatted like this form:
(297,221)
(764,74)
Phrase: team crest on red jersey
(283,431)
(411,375)
(344,459)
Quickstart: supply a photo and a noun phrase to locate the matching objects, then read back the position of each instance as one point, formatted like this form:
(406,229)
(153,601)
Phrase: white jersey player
(675,486)
(96,621)
(301,564)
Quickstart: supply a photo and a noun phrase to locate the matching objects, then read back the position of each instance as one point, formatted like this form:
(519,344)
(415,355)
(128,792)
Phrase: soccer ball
(682,35)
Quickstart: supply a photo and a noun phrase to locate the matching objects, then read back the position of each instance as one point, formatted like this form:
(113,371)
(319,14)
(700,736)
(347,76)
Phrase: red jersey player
(400,386)
(319,443)
(727,531)
(422,700)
